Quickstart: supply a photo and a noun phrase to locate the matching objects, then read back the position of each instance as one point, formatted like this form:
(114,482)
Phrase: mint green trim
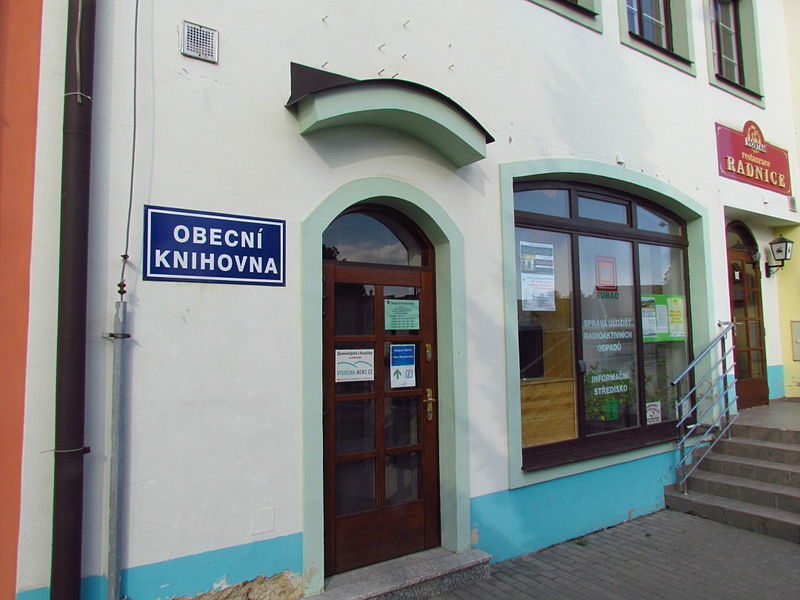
(681,13)
(702,292)
(451,338)
(592,22)
(421,115)
(748,23)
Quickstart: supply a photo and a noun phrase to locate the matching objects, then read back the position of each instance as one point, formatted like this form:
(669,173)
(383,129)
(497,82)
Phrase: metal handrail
(729,325)
(718,377)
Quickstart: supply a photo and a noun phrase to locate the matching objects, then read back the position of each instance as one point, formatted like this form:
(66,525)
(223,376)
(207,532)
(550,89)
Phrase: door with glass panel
(745,296)
(380,413)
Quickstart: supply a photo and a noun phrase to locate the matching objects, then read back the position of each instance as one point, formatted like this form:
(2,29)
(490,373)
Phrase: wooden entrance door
(745,295)
(380,413)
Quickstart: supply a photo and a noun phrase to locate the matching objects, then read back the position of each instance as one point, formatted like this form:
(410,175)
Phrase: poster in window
(663,318)
(649,319)
(677,319)
(653,411)
(537,276)
(606,273)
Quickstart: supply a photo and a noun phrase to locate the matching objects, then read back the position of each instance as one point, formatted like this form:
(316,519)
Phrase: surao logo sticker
(185,245)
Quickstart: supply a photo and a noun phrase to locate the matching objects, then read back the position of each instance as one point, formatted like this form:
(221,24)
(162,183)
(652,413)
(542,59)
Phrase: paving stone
(684,557)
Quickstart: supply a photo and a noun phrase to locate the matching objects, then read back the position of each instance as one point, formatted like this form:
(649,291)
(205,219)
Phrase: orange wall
(20,31)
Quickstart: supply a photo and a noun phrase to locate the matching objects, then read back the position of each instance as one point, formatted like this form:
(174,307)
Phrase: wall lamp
(781,249)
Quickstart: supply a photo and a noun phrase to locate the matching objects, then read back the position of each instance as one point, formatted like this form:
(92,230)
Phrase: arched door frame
(749,391)
(448,243)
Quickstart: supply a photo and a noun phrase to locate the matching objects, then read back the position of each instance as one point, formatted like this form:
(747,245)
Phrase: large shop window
(602,307)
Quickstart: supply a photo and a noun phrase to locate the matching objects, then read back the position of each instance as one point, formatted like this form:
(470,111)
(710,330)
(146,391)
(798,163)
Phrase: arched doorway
(746,311)
(380,417)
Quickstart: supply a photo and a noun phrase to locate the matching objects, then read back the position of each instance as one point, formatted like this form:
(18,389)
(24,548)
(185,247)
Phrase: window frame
(678,52)
(584,446)
(751,87)
(641,15)
(736,33)
(584,12)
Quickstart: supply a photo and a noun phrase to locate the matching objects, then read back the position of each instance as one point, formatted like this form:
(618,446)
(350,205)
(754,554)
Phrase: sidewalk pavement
(663,556)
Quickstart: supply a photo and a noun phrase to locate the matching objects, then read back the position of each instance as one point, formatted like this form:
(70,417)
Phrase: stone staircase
(751,481)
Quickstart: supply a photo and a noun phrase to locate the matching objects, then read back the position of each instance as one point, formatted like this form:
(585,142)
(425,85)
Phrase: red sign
(605,269)
(746,157)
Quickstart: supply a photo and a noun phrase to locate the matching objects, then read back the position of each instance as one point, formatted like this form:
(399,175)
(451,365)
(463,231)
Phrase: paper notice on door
(355,365)
(537,276)
(400,314)
(402,365)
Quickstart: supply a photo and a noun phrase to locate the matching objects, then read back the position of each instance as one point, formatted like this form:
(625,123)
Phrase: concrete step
(767,434)
(779,452)
(412,577)
(746,490)
(752,517)
(751,468)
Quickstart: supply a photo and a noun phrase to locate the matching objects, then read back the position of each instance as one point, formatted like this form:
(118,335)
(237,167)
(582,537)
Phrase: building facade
(395,276)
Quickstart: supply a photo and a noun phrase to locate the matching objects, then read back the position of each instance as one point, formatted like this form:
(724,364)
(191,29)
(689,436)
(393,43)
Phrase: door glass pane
(591,208)
(740,336)
(354,308)
(402,478)
(751,274)
(609,335)
(346,362)
(544,202)
(401,310)
(753,304)
(754,334)
(360,237)
(355,426)
(355,486)
(400,425)
(737,291)
(546,358)
(756,364)
(742,366)
(664,327)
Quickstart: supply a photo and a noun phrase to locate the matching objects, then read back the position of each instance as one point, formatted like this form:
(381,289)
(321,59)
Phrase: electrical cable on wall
(125,255)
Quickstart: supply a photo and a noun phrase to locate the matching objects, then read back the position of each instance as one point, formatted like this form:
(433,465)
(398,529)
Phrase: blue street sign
(191,245)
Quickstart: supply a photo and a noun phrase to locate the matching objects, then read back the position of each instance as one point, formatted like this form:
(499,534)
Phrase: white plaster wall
(33,559)
(214,415)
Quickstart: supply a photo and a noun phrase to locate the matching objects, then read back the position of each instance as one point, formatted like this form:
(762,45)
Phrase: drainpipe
(65,574)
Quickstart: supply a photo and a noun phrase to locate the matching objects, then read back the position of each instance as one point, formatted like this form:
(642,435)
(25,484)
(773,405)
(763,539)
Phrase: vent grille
(200,42)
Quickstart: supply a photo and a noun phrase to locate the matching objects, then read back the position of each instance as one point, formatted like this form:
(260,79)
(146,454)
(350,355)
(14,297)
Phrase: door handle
(429,400)
(581,367)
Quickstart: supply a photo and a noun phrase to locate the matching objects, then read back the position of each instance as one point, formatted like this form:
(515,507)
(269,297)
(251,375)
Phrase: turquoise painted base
(191,575)
(775,381)
(92,588)
(515,522)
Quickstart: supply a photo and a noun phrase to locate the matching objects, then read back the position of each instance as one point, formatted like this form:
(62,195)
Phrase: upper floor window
(732,34)
(662,29)
(650,20)
(728,40)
